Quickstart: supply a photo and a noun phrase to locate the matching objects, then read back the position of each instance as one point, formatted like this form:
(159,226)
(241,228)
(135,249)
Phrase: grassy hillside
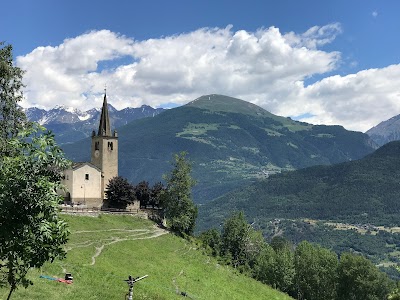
(104,250)
(230,141)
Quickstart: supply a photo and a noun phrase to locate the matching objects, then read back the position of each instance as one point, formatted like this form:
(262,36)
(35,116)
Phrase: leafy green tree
(264,265)
(283,270)
(155,194)
(180,211)
(279,242)
(12,118)
(255,245)
(360,279)
(394,295)
(142,192)
(240,242)
(316,272)
(120,192)
(234,238)
(276,265)
(31,230)
(211,239)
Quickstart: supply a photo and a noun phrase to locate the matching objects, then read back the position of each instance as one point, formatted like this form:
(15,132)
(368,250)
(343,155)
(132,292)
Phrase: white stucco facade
(84,185)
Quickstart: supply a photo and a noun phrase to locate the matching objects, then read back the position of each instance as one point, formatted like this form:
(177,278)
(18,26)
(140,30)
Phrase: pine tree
(180,211)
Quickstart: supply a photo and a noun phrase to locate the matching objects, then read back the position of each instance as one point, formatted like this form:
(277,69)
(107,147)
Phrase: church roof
(104,126)
(78,165)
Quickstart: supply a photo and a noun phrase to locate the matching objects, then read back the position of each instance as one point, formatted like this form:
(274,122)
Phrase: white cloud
(316,36)
(356,101)
(265,67)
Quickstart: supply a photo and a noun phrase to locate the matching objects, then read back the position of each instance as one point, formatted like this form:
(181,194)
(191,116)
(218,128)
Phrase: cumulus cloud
(265,67)
(356,101)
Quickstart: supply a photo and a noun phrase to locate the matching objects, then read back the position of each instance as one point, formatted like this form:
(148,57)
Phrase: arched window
(110,146)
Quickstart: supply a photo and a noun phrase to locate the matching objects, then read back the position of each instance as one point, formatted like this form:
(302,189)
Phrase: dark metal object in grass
(68,276)
(131,281)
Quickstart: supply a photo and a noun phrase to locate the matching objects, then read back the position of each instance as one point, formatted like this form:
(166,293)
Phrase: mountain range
(230,142)
(386,131)
(71,125)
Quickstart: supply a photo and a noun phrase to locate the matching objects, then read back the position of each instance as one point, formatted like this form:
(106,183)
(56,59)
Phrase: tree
(264,265)
(360,279)
(279,242)
(211,239)
(12,118)
(234,237)
(31,230)
(155,194)
(120,192)
(316,272)
(142,193)
(394,295)
(283,270)
(180,211)
(241,242)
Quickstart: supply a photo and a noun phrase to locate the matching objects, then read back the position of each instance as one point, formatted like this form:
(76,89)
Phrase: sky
(321,62)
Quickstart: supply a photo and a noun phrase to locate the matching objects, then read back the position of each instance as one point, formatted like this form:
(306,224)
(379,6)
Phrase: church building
(86,182)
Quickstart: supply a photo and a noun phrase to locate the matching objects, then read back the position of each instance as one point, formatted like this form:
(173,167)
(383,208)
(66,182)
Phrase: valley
(381,244)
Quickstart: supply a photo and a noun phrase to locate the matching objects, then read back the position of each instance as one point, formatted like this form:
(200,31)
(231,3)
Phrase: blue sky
(332,62)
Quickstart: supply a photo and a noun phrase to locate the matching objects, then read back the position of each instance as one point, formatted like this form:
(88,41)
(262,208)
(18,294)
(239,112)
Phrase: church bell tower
(105,148)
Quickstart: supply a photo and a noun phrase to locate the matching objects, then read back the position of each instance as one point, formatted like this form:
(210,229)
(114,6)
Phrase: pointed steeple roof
(104,126)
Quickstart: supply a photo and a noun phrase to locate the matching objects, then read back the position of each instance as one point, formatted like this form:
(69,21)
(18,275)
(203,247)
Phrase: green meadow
(103,251)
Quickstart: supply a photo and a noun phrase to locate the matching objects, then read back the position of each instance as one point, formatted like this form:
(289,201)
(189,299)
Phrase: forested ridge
(361,191)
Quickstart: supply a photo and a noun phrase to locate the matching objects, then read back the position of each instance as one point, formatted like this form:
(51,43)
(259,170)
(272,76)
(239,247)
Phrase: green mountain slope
(230,141)
(362,191)
(104,251)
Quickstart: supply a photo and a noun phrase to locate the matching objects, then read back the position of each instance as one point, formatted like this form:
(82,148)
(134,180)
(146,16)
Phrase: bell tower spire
(105,147)
(104,126)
